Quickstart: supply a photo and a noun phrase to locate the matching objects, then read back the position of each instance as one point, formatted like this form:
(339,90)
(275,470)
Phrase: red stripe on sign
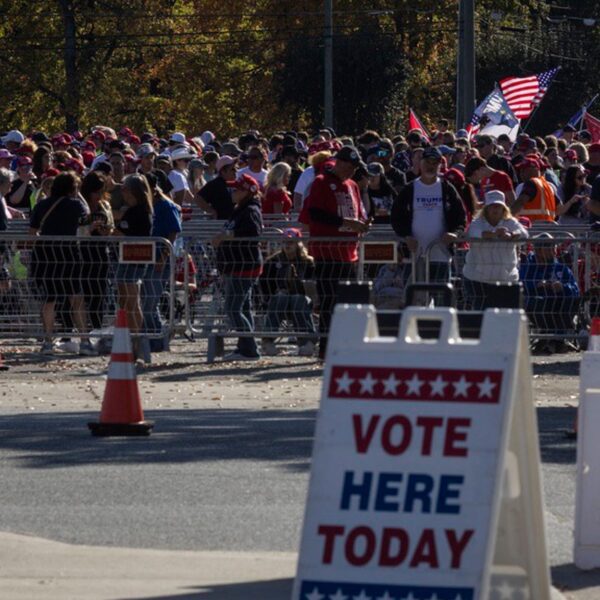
(421,385)
(122,357)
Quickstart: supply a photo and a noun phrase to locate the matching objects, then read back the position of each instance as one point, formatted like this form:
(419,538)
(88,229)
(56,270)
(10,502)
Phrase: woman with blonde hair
(581,151)
(490,263)
(277,200)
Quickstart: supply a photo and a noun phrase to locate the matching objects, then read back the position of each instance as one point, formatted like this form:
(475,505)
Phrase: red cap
(74,165)
(571,155)
(99,134)
(245,182)
(23,160)
(292,232)
(528,163)
(594,147)
(88,157)
(595,329)
(89,145)
(134,139)
(455,177)
(67,138)
(50,173)
(125,131)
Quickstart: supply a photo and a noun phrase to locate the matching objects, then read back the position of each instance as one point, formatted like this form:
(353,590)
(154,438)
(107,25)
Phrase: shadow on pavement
(249,372)
(277,589)
(569,577)
(553,423)
(52,440)
(568,368)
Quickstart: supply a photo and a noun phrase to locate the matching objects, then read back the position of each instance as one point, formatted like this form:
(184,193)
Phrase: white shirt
(305,182)
(489,262)
(428,218)
(178,181)
(260,177)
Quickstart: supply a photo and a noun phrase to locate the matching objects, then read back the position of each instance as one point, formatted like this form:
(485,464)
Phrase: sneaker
(235,356)
(47,349)
(68,346)
(307,349)
(269,348)
(86,349)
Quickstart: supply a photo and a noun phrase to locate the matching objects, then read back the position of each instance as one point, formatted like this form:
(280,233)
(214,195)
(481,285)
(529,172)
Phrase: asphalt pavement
(210,506)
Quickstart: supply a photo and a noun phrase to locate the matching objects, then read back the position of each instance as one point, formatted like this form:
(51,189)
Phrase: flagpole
(584,110)
(531,117)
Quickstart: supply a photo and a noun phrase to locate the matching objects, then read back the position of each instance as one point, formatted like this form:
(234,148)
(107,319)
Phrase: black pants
(94,295)
(327,276)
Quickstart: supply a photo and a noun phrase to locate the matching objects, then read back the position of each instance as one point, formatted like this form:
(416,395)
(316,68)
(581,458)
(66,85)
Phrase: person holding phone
(575,195)
(23,186)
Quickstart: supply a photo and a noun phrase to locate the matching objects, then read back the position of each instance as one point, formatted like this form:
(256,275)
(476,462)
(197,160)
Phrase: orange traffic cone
(122,412)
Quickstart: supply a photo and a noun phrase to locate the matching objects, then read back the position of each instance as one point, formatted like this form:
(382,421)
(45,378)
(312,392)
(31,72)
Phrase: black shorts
(57,274)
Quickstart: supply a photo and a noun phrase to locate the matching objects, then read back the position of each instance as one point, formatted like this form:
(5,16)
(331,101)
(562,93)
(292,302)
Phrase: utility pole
(328,39)
(465,72)
(72,95)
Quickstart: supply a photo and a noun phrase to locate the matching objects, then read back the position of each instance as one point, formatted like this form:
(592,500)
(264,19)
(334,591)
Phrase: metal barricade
(288,300)
(54,286)
(553,277)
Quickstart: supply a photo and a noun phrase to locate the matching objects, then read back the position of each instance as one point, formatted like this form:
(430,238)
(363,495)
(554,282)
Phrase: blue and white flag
(494,117)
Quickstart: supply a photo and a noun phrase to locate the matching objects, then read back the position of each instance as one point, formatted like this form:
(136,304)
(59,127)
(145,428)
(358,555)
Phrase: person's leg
(153,286)
(300,311)
(474,293)
(129,300)
(276,310)
(328,275)
(48,319)
(439,272)
(247,345)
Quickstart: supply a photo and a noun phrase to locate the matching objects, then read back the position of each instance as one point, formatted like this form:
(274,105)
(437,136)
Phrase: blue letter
(362,490)
(447,493)
(418,487)
(384,490)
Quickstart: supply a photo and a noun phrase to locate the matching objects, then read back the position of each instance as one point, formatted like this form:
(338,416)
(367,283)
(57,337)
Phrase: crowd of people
(432,192)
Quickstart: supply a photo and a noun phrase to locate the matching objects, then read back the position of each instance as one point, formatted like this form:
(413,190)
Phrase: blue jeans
(153,285)
(238,307)
(295,307)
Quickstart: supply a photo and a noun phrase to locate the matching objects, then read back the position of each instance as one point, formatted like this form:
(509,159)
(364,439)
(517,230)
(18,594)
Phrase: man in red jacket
(335,210)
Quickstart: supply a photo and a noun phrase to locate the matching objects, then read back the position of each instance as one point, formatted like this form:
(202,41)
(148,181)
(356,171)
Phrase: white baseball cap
(495,197)
(178,137)
(14,136)
(180,153)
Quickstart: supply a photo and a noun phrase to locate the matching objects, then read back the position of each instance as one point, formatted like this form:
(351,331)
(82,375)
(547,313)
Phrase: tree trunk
(72,96)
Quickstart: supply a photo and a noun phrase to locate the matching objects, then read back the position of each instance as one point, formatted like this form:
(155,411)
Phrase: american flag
(523,94)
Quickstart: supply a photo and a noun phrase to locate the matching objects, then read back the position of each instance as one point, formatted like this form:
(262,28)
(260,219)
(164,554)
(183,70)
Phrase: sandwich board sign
(425,479)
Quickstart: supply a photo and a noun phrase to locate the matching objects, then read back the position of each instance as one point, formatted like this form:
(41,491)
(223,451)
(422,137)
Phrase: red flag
(592,124)
(415,123)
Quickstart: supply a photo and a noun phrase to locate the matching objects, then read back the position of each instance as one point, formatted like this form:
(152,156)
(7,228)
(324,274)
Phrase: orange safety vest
(543,205)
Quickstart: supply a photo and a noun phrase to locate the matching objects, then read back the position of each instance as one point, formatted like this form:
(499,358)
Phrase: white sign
(410,450)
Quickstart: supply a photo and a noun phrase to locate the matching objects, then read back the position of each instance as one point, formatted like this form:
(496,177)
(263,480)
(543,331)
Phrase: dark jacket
(242,257)
(455,216)
(281,274)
